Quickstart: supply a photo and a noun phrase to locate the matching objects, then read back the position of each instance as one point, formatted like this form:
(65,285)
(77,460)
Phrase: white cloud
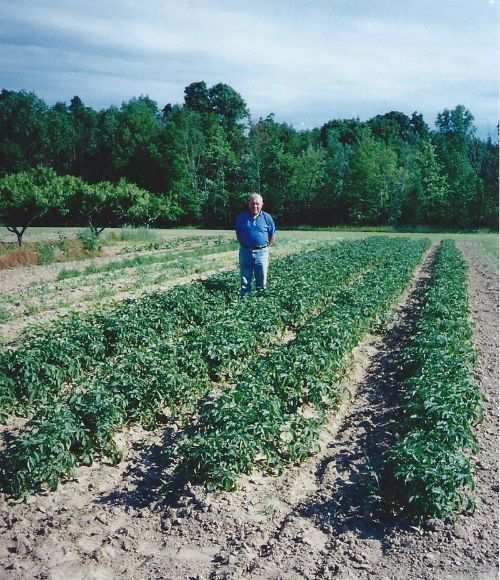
(301,59)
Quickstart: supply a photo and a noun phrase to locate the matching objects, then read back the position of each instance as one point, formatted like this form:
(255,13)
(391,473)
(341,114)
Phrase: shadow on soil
(150,476)
(353,471)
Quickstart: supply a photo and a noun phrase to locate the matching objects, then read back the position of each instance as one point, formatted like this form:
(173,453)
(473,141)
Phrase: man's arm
(272,230)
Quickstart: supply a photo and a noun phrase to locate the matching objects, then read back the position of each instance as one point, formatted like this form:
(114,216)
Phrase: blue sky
(306,61)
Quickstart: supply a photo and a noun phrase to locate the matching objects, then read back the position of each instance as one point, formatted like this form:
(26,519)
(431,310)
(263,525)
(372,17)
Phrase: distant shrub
(68,273)
(111,236)
(90,242)
(63,244)
(46,253)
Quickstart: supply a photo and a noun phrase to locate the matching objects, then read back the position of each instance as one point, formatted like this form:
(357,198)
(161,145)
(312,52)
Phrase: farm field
(188,434)
(35,294)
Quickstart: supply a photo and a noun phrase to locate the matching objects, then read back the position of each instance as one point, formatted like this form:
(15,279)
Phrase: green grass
(488,240)
(5,315)
(489,248)
(130,234)
(388,229)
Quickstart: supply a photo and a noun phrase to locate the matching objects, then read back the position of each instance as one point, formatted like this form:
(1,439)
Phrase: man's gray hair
(255,196)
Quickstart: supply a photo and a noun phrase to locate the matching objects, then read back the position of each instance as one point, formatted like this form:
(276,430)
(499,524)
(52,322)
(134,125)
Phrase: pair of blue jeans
(253,263)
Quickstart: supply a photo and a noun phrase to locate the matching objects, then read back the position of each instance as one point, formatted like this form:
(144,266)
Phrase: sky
(305,61)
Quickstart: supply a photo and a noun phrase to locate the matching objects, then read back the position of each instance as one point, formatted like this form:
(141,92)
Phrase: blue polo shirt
(254,232)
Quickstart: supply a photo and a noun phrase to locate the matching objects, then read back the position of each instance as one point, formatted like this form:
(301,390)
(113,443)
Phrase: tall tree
(331,202)
(197,98)
(60,138)
(307,178)
(105,160)
(137,149)
(229,105)
(487,206)
(271,162)
(23,131)
(217,163)
(430,197)
(372,182)
(392,128)
(83,123)
(185,145)
(348,131)
(454,142)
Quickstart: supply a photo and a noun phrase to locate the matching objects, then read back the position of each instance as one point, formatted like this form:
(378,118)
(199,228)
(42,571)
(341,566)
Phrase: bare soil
(136,521)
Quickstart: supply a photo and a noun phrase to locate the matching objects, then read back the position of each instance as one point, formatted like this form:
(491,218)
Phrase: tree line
(194,164)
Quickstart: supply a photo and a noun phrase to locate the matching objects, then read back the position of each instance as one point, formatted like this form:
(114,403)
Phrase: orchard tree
(104,204)
(162,208)
(27,196)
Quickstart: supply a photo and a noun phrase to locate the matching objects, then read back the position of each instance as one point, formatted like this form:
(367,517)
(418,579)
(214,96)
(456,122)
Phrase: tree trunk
(19,233)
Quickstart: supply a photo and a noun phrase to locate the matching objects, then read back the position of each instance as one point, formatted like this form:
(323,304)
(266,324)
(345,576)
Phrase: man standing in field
(255,231)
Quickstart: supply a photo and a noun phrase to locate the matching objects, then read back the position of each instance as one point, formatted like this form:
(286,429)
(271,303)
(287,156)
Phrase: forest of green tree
(200,159)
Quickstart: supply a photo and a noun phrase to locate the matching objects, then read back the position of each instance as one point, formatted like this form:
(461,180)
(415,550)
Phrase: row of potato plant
(48,359)
(164,373)
(430,464)
(274,414)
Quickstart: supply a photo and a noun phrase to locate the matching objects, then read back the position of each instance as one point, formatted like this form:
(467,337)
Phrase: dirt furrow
(283,527)
(319,519)
(332,531)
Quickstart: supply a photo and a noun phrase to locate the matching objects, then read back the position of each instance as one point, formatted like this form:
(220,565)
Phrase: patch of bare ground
(135,521)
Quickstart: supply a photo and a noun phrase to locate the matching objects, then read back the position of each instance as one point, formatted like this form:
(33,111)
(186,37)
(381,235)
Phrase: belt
(255,247)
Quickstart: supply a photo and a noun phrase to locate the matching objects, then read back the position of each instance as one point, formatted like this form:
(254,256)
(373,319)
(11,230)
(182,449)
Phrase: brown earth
(134,521)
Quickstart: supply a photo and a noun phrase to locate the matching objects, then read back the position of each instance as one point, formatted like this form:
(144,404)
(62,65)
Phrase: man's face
(255,205)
